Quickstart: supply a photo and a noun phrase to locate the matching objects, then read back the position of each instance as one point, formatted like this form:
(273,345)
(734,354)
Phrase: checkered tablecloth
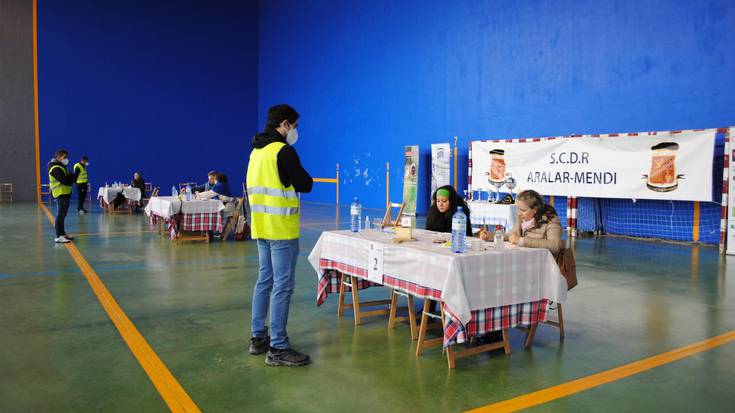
(201,222)
(195,216)
(489,214)
(481,291)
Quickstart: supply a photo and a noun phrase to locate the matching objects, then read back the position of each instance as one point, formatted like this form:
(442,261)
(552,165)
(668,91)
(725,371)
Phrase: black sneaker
(259,345)
(489,338)
(288,357)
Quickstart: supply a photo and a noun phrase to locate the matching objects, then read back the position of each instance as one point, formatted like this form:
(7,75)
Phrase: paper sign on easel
(375,264)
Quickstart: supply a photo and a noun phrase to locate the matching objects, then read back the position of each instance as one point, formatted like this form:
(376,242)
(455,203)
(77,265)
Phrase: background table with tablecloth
(490,214)
(197,215)
(107,194)
(482,290)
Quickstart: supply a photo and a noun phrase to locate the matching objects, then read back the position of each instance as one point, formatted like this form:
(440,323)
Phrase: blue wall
(168,88)
(370,77)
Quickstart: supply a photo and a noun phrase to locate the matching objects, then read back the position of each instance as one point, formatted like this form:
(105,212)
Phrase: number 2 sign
(375,262)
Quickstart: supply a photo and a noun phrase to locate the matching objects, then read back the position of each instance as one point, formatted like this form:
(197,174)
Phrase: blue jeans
(274,288)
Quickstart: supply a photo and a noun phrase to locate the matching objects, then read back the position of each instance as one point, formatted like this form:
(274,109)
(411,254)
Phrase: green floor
(60,352)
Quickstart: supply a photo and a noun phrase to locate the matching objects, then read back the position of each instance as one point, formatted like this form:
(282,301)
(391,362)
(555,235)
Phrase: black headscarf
(442,222)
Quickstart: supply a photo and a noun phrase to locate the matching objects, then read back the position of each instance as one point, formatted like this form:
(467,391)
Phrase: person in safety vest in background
(80,170)
(274,177)
(60,183)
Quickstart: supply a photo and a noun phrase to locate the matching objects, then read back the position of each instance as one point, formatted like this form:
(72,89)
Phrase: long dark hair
(221,178)
(455,202)
(140,175)
(544,211)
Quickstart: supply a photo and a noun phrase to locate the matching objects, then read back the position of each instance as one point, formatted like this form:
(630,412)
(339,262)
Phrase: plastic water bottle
(459,232)
(174,192)
(188,192)
(499,238)
(367,222)
(355,215)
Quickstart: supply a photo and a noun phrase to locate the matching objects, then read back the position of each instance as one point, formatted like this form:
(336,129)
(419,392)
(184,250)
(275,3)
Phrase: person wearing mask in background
(80,170)
(220,190)
(139,182)
(211,177)
(274,177)
(60,184)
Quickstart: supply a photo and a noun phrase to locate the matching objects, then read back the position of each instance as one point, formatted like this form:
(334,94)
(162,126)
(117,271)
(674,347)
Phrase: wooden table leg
(561,321)
(422,328)
(355,300)
(412,317)
(530,335)
(341,304)
(393,309)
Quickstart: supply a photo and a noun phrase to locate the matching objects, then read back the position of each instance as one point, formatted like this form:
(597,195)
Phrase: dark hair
(278,113)
(139,174)
(84,158)
(455,201)
(212,173)
(544,211)
(61,152)
(222,178)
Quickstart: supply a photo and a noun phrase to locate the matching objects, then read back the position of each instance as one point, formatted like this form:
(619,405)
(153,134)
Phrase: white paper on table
(375,262)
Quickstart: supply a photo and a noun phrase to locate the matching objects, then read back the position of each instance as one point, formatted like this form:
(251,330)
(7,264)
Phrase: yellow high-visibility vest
(274,208)
(57,188)
(82,177)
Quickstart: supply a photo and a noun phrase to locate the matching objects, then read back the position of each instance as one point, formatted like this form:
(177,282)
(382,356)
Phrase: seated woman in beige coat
(538,224)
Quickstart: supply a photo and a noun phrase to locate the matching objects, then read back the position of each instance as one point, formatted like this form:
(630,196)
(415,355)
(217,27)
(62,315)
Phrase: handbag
(567,266)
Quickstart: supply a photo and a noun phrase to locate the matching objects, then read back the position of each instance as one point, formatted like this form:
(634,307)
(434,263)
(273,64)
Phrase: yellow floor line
(168,387)
(91,234)
(607,376)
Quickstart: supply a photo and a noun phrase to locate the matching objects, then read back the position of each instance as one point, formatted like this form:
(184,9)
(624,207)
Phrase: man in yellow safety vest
(274,178)
(60,183)
(80,170)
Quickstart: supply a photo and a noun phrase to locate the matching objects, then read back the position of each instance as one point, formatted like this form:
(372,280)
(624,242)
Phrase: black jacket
(290,170)
(65,179)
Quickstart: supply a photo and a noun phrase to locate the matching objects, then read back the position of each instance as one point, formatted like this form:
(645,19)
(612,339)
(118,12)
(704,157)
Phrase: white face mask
(65,161)
(292,137)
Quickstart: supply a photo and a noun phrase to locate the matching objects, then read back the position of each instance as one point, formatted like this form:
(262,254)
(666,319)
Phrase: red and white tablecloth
(482,291)
(196,215)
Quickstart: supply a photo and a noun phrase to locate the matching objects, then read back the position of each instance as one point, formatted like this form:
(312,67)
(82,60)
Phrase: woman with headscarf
(445,202)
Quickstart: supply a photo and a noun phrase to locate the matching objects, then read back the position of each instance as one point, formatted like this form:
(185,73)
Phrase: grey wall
(17,133)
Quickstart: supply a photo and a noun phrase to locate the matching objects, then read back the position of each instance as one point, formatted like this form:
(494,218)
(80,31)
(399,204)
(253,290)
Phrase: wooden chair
(567,251)
(356,305)
(6,192)
(152,193)
(388,218)
(531,331)
(232,222)
(411,315)
(46,191)
(452,354)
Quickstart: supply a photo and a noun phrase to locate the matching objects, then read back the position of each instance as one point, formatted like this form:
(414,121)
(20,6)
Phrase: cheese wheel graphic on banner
(663,176)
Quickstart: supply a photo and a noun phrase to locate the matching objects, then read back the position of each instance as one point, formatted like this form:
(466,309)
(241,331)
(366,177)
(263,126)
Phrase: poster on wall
(440,155)
(410,179)
(652,165)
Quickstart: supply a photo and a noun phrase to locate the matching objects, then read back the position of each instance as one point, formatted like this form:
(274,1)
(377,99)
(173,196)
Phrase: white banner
(655,165)
(441,153)
(730,224)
